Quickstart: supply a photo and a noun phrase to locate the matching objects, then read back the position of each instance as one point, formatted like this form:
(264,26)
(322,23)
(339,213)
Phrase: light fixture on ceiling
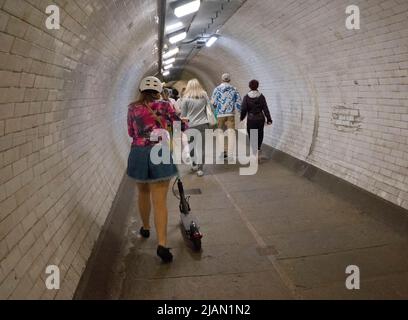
(169,61)
(171,53)
(185,7)
(168,67)
(211,41)
(174,27)
(166,73)
(177,36)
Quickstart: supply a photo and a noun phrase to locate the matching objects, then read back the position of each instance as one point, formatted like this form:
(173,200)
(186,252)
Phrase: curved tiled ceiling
(200,27)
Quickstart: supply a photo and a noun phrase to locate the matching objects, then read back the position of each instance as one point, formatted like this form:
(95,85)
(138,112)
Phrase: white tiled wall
(339,98)
(63,140)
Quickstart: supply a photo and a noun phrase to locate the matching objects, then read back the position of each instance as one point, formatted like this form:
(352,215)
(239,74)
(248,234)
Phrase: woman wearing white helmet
(146,116)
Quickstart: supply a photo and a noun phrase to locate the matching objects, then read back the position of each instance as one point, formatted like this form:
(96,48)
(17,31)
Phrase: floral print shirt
(142,123)
(226,100)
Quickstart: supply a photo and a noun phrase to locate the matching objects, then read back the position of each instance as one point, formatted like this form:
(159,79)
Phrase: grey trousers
(201,129)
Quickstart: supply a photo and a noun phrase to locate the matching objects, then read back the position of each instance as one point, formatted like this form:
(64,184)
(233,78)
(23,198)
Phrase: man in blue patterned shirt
(227,102)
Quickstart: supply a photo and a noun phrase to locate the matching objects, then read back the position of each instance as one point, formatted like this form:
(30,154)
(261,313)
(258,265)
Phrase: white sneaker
(194,167)
(200,173)
(188,161)
(231,159)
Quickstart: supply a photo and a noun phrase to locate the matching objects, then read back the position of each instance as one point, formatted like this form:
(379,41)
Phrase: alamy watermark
(53,21)
(353,20)
(52,282)
(353,280)
(169,149)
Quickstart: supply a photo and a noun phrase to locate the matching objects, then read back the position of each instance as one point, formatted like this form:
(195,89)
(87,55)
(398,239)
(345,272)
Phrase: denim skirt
(143,170)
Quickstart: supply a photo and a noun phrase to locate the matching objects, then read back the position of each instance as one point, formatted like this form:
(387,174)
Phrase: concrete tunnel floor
(275,235)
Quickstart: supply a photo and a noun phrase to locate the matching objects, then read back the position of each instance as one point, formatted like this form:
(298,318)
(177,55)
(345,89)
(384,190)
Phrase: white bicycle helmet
(151,83)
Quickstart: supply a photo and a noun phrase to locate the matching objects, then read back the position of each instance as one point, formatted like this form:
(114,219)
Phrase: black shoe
(164,254)
(144,233)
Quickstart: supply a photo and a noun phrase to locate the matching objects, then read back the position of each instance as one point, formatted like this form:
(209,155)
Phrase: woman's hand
(269,123)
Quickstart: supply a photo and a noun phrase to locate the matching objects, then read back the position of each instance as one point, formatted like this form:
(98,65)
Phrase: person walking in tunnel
(174,98)
(166,96)
(146,115)
(255,108)
(194,108)
(175,94)
(227,102)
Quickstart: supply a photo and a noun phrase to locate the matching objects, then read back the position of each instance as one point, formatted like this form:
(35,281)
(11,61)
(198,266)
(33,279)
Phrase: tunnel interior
(338,97)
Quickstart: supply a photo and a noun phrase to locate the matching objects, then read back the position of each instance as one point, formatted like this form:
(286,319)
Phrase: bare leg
(231,148)
(144,204)
(221,137)
(159,196)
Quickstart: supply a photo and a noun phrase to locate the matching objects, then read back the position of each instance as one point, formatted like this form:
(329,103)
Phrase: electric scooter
(189,223)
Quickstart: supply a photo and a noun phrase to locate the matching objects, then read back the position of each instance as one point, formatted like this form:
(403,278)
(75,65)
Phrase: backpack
(255,108)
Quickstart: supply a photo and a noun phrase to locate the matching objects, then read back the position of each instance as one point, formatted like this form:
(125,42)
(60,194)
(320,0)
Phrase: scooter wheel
(197,244)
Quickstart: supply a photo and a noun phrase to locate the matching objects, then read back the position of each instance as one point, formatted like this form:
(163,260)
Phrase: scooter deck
(189,222)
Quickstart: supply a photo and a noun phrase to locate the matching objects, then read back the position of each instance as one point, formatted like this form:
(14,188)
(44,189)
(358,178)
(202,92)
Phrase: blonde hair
(194,90)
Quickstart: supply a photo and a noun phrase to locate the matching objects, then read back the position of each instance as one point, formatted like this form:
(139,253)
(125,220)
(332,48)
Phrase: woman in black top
(255,107)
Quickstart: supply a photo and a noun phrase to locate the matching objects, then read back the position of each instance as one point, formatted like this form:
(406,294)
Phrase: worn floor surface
(276,235)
